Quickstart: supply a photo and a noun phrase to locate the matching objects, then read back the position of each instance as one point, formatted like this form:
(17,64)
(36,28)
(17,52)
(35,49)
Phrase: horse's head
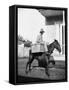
(57,45)
(27,44)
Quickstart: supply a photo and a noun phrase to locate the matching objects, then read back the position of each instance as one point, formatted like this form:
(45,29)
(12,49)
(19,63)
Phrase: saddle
(37,48)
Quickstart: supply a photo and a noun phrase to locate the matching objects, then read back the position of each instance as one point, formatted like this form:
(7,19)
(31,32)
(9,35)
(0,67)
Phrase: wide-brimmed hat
(42,31)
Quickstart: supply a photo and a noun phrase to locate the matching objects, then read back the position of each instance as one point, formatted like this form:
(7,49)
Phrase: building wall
(23,51)
(30,21)
(55,29)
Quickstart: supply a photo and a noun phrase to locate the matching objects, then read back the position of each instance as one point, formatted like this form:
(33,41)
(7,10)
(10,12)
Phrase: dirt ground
(57,71)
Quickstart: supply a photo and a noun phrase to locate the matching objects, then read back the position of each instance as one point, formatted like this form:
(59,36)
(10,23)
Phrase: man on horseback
(41,52)
(40,40)
(38,52)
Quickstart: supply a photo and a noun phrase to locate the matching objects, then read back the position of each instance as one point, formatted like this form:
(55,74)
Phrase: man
(40,39)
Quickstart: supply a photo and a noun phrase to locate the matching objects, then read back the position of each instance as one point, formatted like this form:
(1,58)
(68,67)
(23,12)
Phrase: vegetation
(21,40)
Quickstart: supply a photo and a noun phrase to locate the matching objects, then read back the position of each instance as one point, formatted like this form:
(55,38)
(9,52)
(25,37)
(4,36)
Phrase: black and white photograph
(41,43)
(39,40)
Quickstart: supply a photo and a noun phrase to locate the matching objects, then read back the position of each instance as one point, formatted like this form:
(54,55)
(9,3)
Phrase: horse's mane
(50,47)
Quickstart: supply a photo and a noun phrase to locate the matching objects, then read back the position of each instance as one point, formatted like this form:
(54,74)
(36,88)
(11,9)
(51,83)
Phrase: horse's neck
(50,48)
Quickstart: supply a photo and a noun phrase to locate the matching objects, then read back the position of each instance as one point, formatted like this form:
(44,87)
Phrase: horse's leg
(52,60)
(47,70)
(46,66)
(28,65)
(43,62)
(48,61)
(30,57)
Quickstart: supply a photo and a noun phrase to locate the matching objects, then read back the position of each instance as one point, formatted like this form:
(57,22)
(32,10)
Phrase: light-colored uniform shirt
(40,40)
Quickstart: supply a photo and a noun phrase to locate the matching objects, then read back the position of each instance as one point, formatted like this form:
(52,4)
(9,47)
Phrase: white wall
(30,21)
(23,51)
(54,32)
(50,33)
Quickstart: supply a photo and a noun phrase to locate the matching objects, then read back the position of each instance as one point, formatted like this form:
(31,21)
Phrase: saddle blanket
(37,48)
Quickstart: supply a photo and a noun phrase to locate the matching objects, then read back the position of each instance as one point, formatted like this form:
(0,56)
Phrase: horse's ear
(54,39)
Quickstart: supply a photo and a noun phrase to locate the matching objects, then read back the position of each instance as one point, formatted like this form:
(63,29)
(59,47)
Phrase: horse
(43,58)
(51,48)
(27,43)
